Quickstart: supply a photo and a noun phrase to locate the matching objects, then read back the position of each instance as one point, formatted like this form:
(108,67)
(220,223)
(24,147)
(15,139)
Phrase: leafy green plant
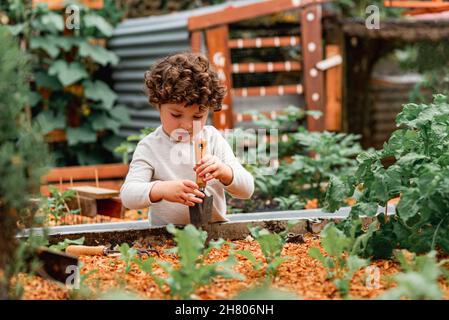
(68,92)
(192,271)
(127,255)
(62,245)
(126,148)
(340,262)
(23,157)
(419,281)
(419,175)
(307,161)
(271,245)
(56,204)
(291,202)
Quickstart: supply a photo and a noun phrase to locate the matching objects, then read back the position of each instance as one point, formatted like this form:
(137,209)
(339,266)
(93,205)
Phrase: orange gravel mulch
(301,274)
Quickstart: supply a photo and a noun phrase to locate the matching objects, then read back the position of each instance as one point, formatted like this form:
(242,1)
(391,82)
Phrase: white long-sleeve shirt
(158,158)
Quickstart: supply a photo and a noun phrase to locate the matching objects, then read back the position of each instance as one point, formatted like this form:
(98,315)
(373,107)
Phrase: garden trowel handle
(200,152)
(78,250)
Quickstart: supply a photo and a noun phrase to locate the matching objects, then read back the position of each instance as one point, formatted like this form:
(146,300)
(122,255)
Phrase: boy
(162,172)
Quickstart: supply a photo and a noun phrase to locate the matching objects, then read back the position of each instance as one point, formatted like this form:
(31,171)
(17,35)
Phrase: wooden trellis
(215,27)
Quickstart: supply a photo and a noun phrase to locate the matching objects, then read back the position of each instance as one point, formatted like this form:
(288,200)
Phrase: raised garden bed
(301,275)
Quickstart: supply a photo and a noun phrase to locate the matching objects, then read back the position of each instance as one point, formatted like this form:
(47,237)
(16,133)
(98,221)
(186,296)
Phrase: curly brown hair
(185,78)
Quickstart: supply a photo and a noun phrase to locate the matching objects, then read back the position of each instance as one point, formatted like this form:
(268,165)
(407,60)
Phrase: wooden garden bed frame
(110,176)
(318,96)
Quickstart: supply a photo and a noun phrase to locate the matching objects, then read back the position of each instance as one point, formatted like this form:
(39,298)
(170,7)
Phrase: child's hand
(181,191)
(211,167)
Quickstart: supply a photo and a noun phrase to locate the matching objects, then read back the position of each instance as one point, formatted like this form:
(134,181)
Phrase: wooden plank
(219,55)
(110,184)
(266,67)
(268,91)
(415,4)
(60,4)
(87,206)
(95,192)
(104,171)
(333,92)
(195,41)
(264,42)
(245,117)
(232,14)
(312,54)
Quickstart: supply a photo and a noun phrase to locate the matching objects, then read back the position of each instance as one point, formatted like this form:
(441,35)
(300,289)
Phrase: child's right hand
(181,191)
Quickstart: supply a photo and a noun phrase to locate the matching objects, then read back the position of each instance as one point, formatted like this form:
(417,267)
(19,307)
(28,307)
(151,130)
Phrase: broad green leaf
(355,263)
(34,98)
(45,80)
(98,54)
(64,244)
(364,209)
(16,29)
(50,21)
(104,122)
(120,113)
(45,44)
(333,240)
(98,22)
(67,73)
(316,254)
(99,91)
(48,121)
(248,255)
(80,135)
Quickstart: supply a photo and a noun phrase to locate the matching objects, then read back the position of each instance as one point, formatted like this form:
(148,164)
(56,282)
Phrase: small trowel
(201,213)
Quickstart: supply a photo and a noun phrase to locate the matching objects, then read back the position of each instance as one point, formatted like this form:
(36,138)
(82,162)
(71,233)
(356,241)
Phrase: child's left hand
(211,167)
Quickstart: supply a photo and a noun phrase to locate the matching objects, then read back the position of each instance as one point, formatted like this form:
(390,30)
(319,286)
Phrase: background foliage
(23,158)
(69,90)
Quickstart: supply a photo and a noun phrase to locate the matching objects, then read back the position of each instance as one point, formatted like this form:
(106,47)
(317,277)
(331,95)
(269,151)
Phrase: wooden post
(333,77)
(312,54)
(217,43)
(195,41)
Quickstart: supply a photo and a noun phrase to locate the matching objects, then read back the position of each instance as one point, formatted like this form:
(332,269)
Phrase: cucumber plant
(192,271)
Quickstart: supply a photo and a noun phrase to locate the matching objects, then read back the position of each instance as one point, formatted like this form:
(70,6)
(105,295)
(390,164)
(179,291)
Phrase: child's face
(177,116)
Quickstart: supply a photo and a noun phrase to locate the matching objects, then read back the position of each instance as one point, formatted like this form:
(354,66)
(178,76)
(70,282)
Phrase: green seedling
(339,262)
(192,271)
(127,255)
(56,204)
(419,279)
(61,246)
(271,245)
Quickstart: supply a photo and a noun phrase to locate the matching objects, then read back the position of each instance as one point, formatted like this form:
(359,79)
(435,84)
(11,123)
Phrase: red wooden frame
(215,26)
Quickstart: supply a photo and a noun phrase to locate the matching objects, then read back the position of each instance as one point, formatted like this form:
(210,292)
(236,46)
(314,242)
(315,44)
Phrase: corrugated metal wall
(139,43)
(389,94)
